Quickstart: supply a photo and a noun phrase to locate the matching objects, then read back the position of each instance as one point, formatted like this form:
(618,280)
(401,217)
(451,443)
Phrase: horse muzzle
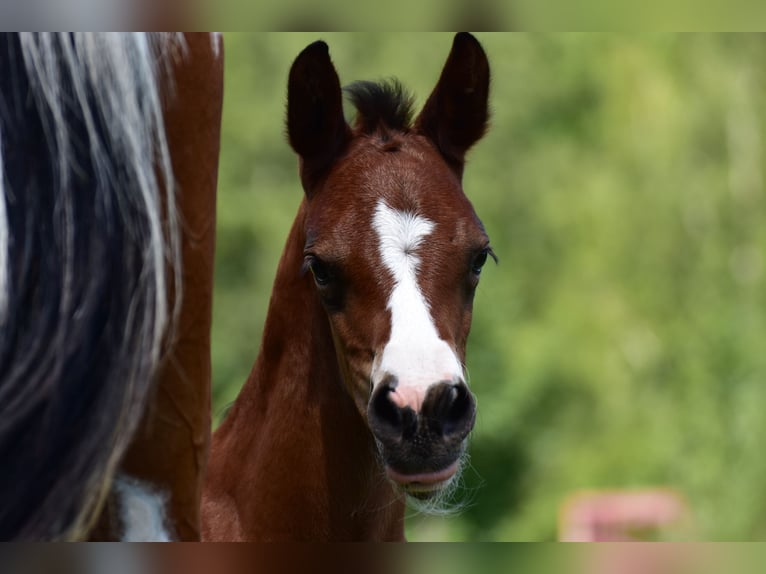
(421,435)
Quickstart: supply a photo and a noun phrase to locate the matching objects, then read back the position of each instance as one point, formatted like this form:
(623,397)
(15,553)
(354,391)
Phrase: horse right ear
(456,114)
(316,128)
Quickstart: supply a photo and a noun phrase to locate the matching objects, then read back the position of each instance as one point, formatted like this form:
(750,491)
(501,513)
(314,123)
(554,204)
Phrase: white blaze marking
(142,510)
(415,353)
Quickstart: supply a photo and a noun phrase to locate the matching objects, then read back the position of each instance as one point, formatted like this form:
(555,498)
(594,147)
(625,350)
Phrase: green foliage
(620,342)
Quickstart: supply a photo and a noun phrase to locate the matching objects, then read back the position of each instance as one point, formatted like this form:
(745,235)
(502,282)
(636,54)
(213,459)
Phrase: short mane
(381,105)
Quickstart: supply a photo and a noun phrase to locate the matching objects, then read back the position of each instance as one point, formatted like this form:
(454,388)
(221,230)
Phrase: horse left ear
(456,114)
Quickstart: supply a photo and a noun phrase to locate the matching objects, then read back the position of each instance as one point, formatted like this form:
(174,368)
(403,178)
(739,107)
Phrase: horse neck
(309,463)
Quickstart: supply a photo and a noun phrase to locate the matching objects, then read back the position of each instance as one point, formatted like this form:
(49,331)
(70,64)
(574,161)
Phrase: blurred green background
(620,342)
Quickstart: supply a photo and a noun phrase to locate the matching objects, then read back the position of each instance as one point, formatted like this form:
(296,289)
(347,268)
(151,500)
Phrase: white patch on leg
(142,511)
(415,353)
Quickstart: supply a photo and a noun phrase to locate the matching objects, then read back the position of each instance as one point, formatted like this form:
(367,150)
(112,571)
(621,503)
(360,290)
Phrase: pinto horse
(359,394)
(108,166)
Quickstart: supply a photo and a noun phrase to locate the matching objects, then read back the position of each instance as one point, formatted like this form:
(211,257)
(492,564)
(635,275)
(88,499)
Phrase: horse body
(93,258)
(358,396)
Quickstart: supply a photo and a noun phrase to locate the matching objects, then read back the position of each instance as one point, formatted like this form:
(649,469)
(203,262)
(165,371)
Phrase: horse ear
(316,128)
(456,113)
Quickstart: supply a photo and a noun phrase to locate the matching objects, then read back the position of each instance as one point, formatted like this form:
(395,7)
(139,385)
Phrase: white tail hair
(3,240)
(120,70)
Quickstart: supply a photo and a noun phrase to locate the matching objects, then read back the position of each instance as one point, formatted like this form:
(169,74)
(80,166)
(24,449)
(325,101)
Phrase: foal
(358,395)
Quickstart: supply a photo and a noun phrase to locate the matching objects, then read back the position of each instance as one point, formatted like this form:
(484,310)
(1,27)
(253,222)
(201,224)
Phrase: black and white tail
(88,250)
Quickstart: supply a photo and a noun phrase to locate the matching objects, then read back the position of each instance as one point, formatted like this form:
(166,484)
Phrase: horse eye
(479,261)
(321,272)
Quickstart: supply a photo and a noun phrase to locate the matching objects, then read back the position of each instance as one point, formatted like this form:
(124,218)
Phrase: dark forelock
(381,105)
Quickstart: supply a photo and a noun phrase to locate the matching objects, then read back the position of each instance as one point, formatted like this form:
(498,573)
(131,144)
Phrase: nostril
(389,422)
(460,411)
(450,408)
(383,409)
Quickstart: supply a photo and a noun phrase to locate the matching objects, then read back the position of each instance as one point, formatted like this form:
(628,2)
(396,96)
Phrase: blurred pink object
(614,516)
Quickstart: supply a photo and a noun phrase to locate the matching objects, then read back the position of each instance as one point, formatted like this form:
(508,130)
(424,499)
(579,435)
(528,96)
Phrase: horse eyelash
(306,265)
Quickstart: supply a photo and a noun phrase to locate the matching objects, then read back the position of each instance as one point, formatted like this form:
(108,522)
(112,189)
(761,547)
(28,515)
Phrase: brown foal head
(395,249)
